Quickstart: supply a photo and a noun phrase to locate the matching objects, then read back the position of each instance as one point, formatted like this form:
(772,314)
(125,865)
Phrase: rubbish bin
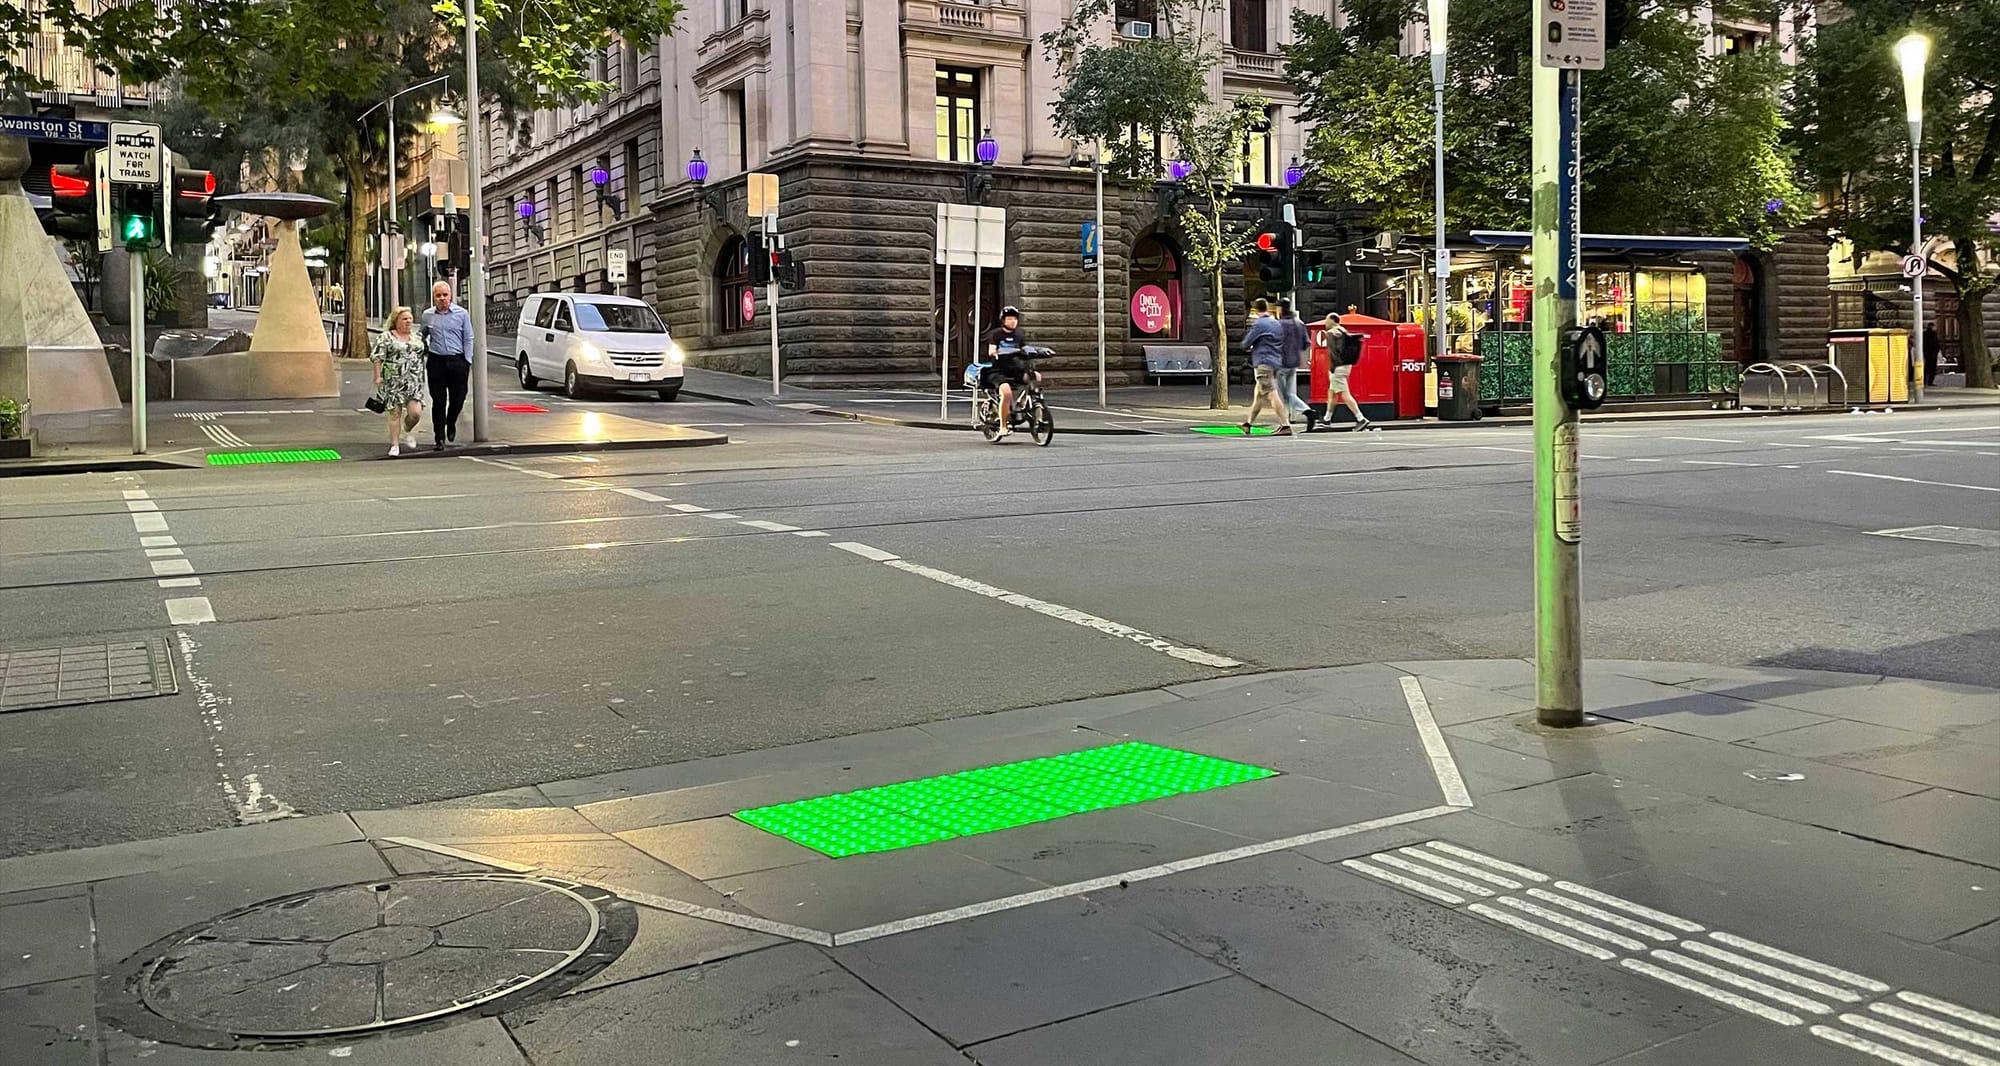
(1458,387)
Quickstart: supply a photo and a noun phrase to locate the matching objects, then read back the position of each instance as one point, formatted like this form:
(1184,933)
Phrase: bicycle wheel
(1043,429)
(986,418)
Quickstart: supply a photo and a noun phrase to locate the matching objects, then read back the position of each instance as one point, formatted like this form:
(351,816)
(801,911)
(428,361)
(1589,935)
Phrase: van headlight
(589,352)
(675,356)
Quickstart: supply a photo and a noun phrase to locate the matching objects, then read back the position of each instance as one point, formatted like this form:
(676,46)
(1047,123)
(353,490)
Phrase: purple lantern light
(1294,173)
(987,150)
(697,168)
(526,209)
(1179,169)
(599,176)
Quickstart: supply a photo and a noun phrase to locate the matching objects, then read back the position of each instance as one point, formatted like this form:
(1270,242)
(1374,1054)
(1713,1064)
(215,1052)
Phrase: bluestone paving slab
(1001,973)
(839,895)
(1982,943)
(667,942)
(1489,674)
(1452,703)
(1534,848)
(1936,820)
(979,728)
(1835,737)
(1283,806)
(608,863)
(1443,987)
(1744,1040)
(52,1024)
(885,745)
(475,1042)
(1375,755)
(439,824)
(778,1007)
(45,941)
(1486,768)
(1667,673)
(406,861)
(134,911)
(1369,690)
(717,847)
(522,798)
(1923,706)
(1702,714)
(1956,765)
(37,895)
(1096,844)
(140,856)
(1571,803)
(1231,1022)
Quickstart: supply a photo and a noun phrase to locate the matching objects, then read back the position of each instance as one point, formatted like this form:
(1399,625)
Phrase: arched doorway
(1154,309)
(734,294)
(1747,334)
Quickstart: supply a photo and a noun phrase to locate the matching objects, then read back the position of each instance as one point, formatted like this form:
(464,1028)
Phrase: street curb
(931,423)
(49,467)
(1629,417)
(550,447)
(703,395)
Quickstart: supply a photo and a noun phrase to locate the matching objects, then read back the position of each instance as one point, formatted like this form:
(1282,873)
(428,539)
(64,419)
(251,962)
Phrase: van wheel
(528,378)
(572,387)
(670,395)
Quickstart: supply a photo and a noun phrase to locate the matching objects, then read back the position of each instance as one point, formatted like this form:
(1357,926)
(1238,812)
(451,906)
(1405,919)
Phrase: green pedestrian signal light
(136,229)
(1312,265)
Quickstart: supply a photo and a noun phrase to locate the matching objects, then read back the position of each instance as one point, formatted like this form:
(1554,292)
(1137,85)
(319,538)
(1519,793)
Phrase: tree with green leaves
(1853,142)
(140,41)
(1122,94)
(1674,140)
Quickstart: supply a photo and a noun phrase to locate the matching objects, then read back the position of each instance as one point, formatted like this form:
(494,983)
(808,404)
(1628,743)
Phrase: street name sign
(1572,34)
(135,153)
(35,128)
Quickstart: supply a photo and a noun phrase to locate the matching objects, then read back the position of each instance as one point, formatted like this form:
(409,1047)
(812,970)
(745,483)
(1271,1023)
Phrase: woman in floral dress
(398,354)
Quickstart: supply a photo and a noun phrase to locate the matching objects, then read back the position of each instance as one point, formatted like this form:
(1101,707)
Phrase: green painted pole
(1557,268)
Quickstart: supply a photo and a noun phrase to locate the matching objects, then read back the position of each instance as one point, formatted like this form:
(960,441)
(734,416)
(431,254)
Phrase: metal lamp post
(1440,16)
(1912,52)
(1295,172)
(395,229)
(482,410)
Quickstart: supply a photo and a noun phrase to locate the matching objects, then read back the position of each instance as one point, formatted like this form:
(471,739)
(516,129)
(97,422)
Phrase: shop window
(1669,301)
(957,113)
(732,285)
(1154,272)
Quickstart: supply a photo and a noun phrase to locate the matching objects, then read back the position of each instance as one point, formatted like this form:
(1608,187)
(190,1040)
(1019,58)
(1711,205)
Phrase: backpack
(1350,350)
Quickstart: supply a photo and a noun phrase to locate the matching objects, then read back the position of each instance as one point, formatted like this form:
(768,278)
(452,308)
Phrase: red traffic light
(67,185)
(1267,242)
(194,184)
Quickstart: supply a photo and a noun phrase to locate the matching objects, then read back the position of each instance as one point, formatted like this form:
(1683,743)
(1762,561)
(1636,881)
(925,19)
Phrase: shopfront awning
(1618,243)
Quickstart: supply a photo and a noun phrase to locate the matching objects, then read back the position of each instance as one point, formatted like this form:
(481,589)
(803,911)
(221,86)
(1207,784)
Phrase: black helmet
(1010,309)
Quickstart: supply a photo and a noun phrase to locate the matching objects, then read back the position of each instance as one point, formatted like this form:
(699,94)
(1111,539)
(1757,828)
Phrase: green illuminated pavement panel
(991,798)
(283,455)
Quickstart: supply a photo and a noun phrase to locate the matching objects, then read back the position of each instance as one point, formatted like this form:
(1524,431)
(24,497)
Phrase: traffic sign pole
(136,306)
(771,288)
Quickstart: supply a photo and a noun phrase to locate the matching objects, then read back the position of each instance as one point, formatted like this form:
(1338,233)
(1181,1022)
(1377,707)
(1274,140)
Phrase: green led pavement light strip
(1234,431)
(283,455)
(992,798)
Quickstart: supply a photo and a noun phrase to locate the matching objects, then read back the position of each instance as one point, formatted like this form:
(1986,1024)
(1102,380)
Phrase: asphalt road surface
(395,633)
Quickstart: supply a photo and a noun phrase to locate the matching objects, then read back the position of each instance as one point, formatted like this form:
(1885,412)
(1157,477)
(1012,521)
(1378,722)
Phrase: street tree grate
(85,673)
(283,455)
(991,798)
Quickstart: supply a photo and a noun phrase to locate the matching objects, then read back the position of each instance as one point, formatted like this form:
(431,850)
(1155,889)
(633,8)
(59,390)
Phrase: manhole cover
(352,960)
(85,673)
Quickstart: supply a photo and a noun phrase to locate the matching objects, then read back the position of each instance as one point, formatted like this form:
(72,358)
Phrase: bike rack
(1784,383)
(1812,375)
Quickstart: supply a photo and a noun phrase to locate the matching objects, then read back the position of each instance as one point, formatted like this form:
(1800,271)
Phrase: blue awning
(1615,243)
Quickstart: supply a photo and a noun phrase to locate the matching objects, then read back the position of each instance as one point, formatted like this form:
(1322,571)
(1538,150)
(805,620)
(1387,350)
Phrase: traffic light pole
(1558,264)
(136,307)
(475,133)
(771,290)
(395,292)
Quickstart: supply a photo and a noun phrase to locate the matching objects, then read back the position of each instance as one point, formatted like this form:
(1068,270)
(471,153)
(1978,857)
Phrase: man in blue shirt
(1266,343)
(1296,342)
(448,361)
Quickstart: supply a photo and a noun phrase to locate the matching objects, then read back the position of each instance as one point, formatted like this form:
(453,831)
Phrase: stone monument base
(256,376)
(66,378)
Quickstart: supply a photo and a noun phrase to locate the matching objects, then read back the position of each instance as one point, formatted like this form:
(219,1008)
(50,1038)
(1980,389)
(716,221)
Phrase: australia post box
(1388,382)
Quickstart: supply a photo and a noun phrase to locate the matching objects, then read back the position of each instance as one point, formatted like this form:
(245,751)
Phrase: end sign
(1570,33)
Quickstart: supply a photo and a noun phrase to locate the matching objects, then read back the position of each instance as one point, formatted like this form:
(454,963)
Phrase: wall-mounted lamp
(979,176)
(1294,173)
(697,175)
(526,209)
(600,179)
(1170,197)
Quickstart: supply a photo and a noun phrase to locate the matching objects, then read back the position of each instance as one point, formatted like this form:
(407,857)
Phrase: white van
(592,341)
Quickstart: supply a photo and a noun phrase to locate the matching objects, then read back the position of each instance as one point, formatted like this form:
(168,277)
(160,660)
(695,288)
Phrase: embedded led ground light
(521,408)
(1233,431)
(284,455)
(991,798)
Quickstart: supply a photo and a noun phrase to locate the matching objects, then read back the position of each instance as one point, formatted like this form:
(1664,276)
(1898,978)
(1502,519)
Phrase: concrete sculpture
(289,356)
(50,355)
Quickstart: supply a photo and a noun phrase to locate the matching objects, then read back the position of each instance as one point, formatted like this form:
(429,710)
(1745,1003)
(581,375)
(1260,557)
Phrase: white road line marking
(1095,884)
(1567,922)
(809,533)
(1458,883)
(460,853)
(1499,448)
(1959,1033)
(135,506)
(180,582)
(687,508)
(1748,984)
(1848,977)
(1708,440)
(155,542)
(1715,462)
(1842,447)
(1402,882)
(1501,865)
(723,516)
(250,803)
(767,525)
(190,611)
(1435,748)
(1744,962)
(163,553)
(1785,444)
(1645,460)
(1947,1007)
(1917,1040)
(1868,1047)
(721,917)
(1069,614)
(440,496)
(135,494)
(866,552)
(1602,915)
(1610,458)
(1461,868)
(170,567)
(638,494)
(149,523)
(1703,988)
(1629,907)
(1788,466)
(1966,535)
(1542,932)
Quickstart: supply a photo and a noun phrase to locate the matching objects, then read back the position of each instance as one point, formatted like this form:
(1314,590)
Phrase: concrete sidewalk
(1725,865)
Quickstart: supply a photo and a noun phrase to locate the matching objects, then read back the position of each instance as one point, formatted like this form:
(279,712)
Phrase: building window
(732,286)
(736,121)
(1147,11)
(734,11)
(1256,157)
(1155,276)
(1247,21)
(1145,142)
(1738,42)
(957,113)
(628,178)
(628,69)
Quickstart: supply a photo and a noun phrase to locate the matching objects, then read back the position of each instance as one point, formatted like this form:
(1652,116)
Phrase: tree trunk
(1972,353)
(356,265)
(1218,388)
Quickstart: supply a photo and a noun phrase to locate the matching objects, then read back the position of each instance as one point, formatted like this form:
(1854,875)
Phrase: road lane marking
(1716,462)
(721,917)
(1435,748)
(135,494)
(809,533)
(438,496)
(460,853)
(149,523)
(1645,460)
(866,552)
(170,567)
(723,516)
(190,611)
(1184,653)
(180,582)
(687,508)
(1783,444)
(1967,535)
(767,525)
(1917,481)
(1707,440)
(135,506)
(638,494)
(156,542)
(163,553)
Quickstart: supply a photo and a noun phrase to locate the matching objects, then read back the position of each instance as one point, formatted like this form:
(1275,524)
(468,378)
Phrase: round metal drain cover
(347,961)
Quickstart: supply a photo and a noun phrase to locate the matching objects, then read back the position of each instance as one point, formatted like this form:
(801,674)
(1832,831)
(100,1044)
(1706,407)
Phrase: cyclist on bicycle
(1006,348)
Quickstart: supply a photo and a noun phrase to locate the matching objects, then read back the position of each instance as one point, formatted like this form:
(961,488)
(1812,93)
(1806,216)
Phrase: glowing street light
(1912,52)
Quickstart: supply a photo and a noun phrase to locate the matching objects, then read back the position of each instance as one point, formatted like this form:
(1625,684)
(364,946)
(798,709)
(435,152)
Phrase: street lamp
(1294,173)
(1912,52)
(526,209)
(1440,19)
(599,178)
(979,176)
(439,116)
(697,175)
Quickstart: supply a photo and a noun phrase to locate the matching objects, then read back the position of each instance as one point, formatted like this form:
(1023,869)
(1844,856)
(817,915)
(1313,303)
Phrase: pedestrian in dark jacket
(1265,342)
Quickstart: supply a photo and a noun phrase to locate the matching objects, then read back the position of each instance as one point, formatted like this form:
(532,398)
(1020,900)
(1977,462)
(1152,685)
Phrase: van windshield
(617,318)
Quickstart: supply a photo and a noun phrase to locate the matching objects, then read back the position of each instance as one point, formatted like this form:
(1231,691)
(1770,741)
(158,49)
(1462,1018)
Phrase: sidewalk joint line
(460,853)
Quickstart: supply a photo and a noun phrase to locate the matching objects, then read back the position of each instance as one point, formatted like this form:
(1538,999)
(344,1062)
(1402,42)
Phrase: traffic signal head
(1274,259)
(72,201)
(135,216)
(194,208)
(1586,374)
(1312,266)
(1267,242)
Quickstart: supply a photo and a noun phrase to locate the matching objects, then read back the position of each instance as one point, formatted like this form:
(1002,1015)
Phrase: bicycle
(1029,411)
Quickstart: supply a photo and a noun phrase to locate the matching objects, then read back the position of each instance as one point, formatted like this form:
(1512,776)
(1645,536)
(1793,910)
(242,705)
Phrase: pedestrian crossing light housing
(1585,367)
(1312,266)
(136,214)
